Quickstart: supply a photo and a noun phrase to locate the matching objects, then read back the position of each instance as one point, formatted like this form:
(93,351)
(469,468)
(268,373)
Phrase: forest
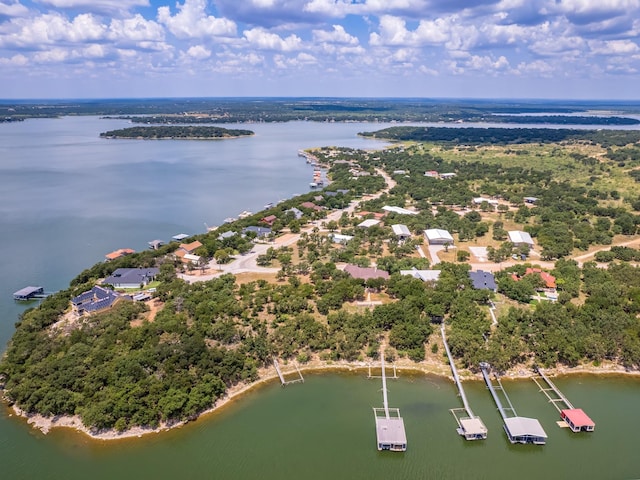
(126,367)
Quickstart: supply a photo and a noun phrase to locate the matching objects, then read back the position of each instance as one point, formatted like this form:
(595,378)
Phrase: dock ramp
(390,432)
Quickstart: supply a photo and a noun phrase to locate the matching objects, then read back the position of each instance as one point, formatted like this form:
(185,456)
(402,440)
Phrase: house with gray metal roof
(482,280)
(131,277)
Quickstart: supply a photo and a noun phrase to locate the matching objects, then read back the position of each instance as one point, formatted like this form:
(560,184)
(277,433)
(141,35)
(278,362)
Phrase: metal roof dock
(28,293)
(471,426)
(518,429)
(390,433)
(575,418)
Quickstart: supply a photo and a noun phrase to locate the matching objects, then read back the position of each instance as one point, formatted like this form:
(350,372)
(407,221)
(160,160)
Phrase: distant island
(176,132)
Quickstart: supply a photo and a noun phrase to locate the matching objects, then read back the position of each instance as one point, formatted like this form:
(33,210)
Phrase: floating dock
(30,293)
(470,426)
(283,381)
(575,418)
(518,429)
(390,433)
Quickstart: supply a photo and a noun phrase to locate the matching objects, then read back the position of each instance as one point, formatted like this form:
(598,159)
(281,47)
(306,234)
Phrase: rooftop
(578,417)
(483,280)
(365,273)
(516,236)
(524,427)
(400,210)
(369,223)
(424,275)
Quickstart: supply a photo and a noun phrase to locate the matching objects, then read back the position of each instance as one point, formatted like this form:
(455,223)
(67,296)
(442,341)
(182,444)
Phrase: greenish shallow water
(324,428)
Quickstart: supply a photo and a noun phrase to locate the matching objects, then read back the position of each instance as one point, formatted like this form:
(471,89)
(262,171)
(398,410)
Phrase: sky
(551,49)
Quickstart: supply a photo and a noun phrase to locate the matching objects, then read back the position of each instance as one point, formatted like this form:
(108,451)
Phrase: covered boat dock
(518,429)
(470,426)
(575,418)
(390,432)
(29,293)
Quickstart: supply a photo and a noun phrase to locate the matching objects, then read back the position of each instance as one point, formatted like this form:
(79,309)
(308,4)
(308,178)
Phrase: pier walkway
(470,426)
(390,432)
(575,418)
(283,381)
(518,429)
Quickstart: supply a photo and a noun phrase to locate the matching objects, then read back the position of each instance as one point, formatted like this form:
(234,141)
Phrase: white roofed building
(369,223)
(401,231)
(437,236)
(400,210)
(424,275)
(519,238)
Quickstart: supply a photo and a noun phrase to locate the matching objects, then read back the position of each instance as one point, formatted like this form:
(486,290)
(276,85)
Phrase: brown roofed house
(269,219)
(365,273)
(190,247)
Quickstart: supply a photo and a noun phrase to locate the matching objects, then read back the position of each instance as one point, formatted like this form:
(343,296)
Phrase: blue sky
(578,49)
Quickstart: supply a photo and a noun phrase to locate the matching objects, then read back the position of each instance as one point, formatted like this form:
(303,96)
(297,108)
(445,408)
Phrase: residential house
(259,231)
(431,173)
(482,280)
(339,238)
(311,206)
(131,277)
(269,219)
(365,273)
(424,275)
(95,300)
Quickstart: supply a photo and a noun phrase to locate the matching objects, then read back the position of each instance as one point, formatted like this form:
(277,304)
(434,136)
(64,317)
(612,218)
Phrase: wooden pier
(390,432)
(575,418)
(518,429)
(470,426)
(283,380)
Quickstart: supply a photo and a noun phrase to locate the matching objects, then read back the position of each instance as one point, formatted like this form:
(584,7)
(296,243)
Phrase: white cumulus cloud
(198,52)
(265,40)
(192,21)
(337,35)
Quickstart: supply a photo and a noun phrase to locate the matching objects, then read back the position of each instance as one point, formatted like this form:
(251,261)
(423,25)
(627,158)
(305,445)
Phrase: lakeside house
(131,277)
(438,236)
(121,252)
(227,234)
(269,220)
(297,213)
(311,206)
(96,300)
(259,231)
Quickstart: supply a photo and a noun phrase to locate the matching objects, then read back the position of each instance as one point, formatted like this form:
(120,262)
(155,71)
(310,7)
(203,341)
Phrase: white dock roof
(524,427)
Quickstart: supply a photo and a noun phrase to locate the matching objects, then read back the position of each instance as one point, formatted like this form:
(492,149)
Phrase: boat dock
(470,426)
(575,418)
(390,433)
(518,429)
(30,293)
(284,381)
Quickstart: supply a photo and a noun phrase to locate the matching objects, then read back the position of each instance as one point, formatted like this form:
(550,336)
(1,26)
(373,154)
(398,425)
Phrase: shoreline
(45,424)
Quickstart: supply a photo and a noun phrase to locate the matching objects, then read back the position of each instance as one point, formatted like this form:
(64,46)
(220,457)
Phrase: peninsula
(176,132)
(527,252)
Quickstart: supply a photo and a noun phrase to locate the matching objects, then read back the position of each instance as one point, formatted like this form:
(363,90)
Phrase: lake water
(67,197)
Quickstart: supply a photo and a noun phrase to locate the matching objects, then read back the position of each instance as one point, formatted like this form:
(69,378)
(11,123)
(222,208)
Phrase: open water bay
(67,197)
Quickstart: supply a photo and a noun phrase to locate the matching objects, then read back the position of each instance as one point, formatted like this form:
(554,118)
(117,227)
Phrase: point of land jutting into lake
(522,242)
